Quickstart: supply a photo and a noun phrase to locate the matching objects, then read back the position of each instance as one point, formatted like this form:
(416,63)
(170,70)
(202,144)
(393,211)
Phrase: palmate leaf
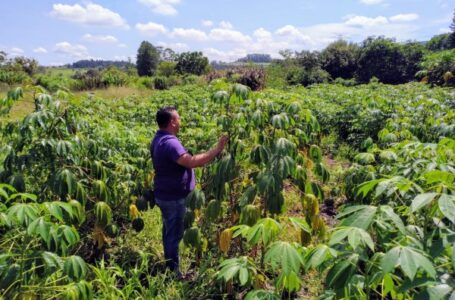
(356,237)
(284,147)
(25,213)
(65,183)
(51,260)
(291,282)
(75,268)
(264,231)
(318,256)
(447,206)
(315,153)
(81,290)
(341,272)
(241,268)
(364,158)
(422,200)
(40,226)
(283,256)
(283,166)
(360,216)
(409,260)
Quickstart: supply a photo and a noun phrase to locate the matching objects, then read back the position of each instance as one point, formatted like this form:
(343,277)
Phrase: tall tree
(147,59)
(340,59)
(382,58)
(193,63)
(452,35)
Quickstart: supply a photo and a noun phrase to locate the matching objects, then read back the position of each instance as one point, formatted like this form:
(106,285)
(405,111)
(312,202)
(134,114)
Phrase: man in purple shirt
(174,179)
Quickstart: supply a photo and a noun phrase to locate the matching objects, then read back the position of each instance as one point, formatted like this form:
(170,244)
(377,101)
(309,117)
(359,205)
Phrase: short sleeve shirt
(172,181)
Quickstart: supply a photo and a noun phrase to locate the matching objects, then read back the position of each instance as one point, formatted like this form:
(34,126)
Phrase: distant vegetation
(374,59)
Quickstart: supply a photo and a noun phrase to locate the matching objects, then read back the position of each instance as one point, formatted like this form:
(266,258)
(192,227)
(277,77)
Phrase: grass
(20,109)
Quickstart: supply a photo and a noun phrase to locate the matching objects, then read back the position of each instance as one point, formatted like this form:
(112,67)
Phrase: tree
(340,59)
(439,42)
(193,63)
(3,56)
(147,59)
(452,35)
(28,65)
(381,58)
(413,53)
(166,68)
(166,54)
(307,69)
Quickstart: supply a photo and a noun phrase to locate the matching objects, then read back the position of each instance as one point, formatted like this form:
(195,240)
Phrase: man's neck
(168,130)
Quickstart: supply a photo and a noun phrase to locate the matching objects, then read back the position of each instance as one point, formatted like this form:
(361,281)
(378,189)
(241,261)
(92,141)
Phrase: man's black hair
(164,116)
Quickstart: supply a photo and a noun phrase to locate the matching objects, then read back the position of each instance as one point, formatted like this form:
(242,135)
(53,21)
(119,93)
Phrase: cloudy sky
(58,32)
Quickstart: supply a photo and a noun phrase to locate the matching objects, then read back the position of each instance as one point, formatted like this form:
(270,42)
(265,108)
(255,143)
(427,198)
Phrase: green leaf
(341,272)
(392,216)
(390,260)
(300,224)
(409,260)
(439,292)
(41,227)
(422,200)
(52,260)
(356,237)
(362,216)
(318,256)
(261,295)
(265,230)
(282,255)
(75,268)
(447,206)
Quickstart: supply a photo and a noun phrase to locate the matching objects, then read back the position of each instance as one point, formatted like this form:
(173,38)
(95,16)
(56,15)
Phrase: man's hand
(222,142)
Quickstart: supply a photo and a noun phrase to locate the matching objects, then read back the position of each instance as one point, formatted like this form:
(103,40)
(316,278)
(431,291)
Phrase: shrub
(438,67)
(254,78)
(160,83)
(89,80)
(113,76)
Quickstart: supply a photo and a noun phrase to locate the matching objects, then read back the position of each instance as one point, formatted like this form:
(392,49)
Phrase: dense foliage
(74,186)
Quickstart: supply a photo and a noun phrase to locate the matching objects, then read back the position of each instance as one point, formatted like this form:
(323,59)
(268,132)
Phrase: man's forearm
(201,159)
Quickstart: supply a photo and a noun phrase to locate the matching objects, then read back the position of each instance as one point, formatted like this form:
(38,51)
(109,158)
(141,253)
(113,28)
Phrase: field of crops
(327,191)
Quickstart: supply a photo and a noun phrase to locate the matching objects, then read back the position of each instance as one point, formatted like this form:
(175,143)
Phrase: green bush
(160,83)
(439,68)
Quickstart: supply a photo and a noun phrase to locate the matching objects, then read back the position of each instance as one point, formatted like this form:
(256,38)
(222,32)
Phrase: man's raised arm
(193,161)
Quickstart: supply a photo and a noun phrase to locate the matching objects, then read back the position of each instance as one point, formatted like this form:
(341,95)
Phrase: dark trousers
(172,213)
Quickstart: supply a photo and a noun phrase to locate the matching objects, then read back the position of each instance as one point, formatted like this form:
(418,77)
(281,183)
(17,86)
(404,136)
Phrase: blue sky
(59,31)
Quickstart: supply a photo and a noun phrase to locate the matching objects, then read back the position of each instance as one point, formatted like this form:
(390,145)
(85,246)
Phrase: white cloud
(228,35)
(162,7)
(16,51)
(445,30)
(262,35)
(174,46)
(291,33)
(220,55)
(404,17)
(100,38)
(366,21)
(40,50)
(151,28)
(371,2)
(207,23)
(122,45)
(91,14)
(74,51)
(190,34)
(226,25)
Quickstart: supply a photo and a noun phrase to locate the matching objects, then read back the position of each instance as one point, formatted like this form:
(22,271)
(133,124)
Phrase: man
(174,179)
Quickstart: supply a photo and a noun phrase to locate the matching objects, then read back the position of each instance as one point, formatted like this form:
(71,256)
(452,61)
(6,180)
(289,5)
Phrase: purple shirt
(172,181)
